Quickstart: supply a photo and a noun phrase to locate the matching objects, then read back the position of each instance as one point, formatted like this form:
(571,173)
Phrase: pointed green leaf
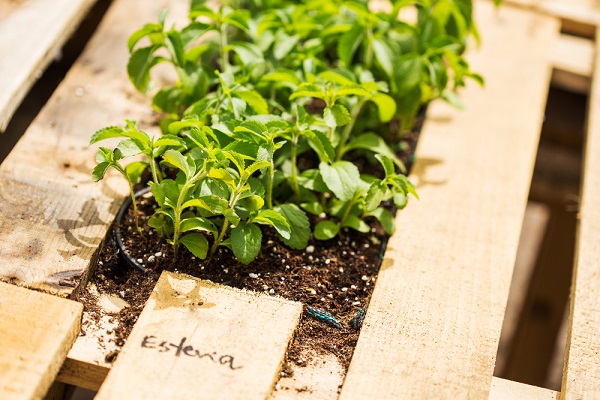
(341,177)
(246,240)
(352,221)
(196,243)
(376,144)
(349,43)
(276,220)
(177,160)
(326,230)
(385,218)
(100,170)
(140,63)
(385,105)
(198,224)
(284,44)
(135,170)
(146,30)
(298,223)
(375,195)
(254,100)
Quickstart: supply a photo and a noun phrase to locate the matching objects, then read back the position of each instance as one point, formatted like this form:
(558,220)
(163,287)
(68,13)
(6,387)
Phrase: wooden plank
(573,59)
(32,33)
(581,376)
(52,216)
(36,332)
(433,323)
(503,389)
(578,17)
(194,336)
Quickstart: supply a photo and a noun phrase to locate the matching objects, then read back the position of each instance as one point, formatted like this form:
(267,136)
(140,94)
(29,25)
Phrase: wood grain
(434,320)
(503,389)
(52,216)
(231,343)
(581,376)
(32,33)
(36,332)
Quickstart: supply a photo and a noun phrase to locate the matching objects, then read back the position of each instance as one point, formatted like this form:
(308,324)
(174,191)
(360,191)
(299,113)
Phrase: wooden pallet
(433,324)
(32,33)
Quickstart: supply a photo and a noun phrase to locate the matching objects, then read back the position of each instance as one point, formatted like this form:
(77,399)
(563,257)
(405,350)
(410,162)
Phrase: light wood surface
(573,60)
(196,337)
(579,17)
(581,376)
(503,389)
(432,327)
(32,33)
(36,332)
(52,216)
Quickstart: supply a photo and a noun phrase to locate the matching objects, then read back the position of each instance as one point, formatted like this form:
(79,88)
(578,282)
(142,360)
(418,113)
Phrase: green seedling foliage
(260,83)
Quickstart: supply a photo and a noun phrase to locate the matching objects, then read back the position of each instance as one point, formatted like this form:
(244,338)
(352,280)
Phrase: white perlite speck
(253,275)
(310,249)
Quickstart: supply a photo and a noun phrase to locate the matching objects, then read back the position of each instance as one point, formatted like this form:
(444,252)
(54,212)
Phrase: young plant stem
(219,239)
(295,184)
(134,205)
(348,128)
(154,170)
(178,208)
(223,45)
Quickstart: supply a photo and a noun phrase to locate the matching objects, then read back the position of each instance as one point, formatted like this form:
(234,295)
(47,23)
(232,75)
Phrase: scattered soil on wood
(336,276)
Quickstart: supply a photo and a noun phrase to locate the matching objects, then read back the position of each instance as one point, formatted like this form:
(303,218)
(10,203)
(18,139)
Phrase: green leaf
(198,224)
(134,170)
(251,203)
(284,77)
(246,239)
(321,144)
(407,73)
(400,199)
(375,195)
(452,98)
(107,133)
(129,147)
(341,177)
(384,56)
(349,43)
(140,63)
(308,90)
(175,45)
(254,100)
(276,220)
(169,140)
(238,18)
(167,100)
(387,164)
(340,76)
(385,218)
(146,30)
(385,105)
(284,44)
(177,160)
(326,230)
(352,221)
(100,170)
(193,31)
(311,179)
(298,223)
(376,144)
(196,243)
(248,52)
(341,114)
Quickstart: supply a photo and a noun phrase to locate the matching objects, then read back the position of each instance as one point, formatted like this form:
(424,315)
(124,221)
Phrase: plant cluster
(270,98)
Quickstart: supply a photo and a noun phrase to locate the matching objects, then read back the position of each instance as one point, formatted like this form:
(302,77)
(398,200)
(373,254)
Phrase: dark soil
(336,276)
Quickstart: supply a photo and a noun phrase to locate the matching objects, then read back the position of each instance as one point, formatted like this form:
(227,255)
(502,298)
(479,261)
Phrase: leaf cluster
(263,84)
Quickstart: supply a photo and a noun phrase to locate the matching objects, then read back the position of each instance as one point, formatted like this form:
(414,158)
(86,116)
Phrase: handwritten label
(164,346)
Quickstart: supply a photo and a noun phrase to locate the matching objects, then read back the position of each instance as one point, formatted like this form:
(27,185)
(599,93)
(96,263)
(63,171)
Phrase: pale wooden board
(32,33)
(573,59)
(577,16)
(36,332)
(433,323)
(244,334)
(581,376)
(503,389)
(52,216)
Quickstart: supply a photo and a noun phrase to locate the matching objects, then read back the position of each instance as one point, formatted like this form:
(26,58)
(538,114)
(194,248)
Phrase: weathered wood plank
(581,375)
(578,17)
(433,323)
(36,332)
(573,59)
(32,33)
(503,389)
(194,336)
(52,216)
